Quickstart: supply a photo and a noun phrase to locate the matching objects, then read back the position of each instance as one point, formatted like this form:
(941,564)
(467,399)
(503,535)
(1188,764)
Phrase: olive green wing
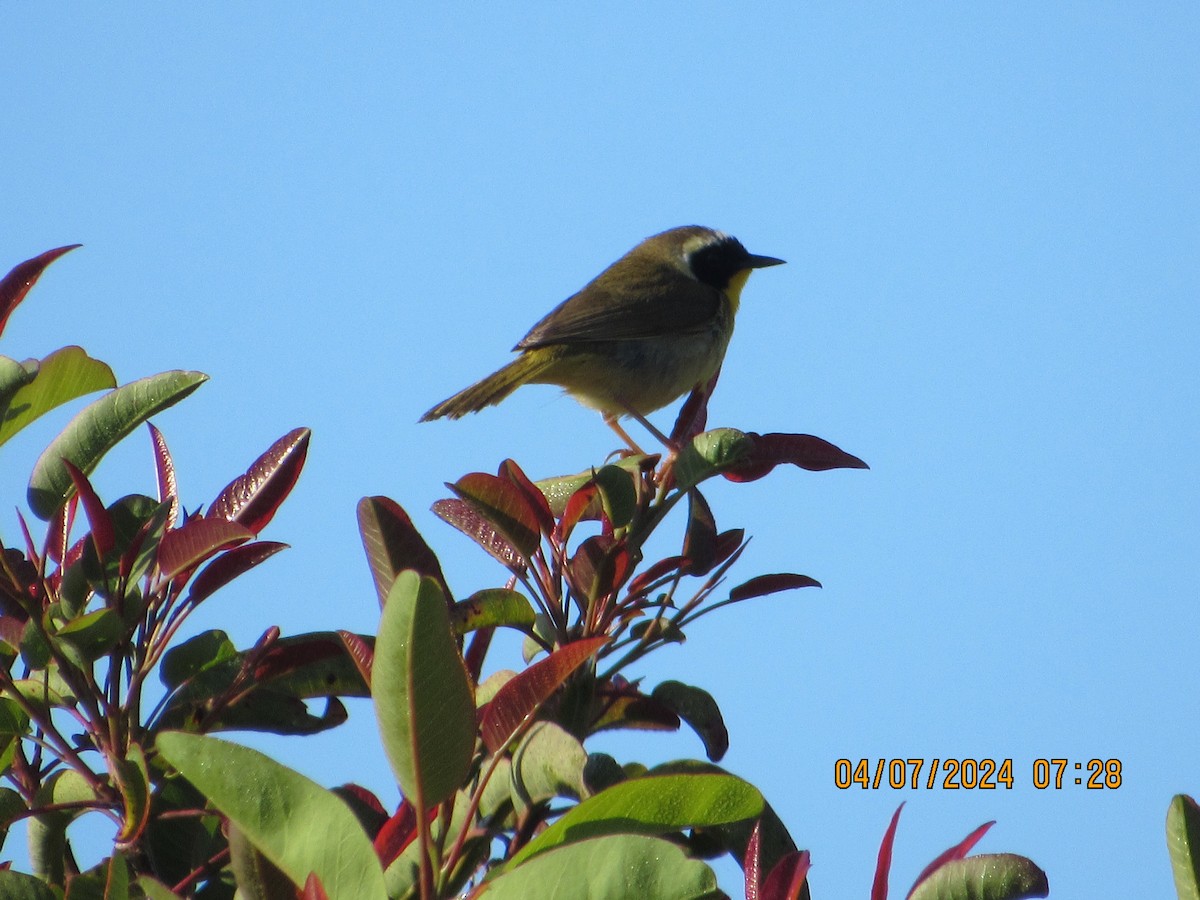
(629,303)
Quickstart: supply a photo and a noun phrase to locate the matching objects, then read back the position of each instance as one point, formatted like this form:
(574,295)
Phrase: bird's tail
(494,388)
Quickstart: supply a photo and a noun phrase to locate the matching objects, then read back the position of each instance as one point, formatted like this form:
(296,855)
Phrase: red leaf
(185,548)
(523,694)
(504,506)
(103,535)
(164,469)
(361,653)
(253,499)
(700,539)
(803,450)
(537,500)
(299,652)
(958,851)
(750,863)
(463,516)
(598,566)
(771,584)
(577,505)
(313,889)
(396,834)
(231,565)
(656,571)
(16,284)
(786,880)
(393,544)
(879,888)
(693,415)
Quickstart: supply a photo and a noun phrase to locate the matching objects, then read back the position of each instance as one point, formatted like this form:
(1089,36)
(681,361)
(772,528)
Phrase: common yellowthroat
(649,328)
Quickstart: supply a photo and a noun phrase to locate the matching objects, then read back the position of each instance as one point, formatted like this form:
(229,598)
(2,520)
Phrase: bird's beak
(761,262)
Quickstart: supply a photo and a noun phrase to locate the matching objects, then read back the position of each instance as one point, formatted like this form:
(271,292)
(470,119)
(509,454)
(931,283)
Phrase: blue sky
(991,218)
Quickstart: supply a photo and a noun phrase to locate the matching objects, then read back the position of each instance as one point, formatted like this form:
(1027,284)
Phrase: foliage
(501,796)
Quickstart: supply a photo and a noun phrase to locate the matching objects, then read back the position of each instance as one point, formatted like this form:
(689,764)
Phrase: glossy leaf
(883,861)
(294,822)
(253,499)
(62,376)
(958,851)
(536,499)
(658,804)
(1183,845)
(164,471)
(787,879)
(185,548)
(504,506)
(696,707)
(423,697)
(804,450)
(491,608)
(1000,876)
(97,428)
(619,867)
(101,524)
(559,490)
(751,865)
(230,565)
(468,520)
(522,695)
(23,276)
(393,544)
(708,454)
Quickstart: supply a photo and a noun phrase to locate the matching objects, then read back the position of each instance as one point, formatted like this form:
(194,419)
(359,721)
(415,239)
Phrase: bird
(652,326)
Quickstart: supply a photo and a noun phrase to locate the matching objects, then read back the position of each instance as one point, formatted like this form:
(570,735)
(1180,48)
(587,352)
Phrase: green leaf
(16,886)
(86,639)
(1183,844)
(48,831)
(998,876)
(618,494)
(423,697)
(155,890)
(560,489)
(98,428)
(194,655)
(609,868)
(294,822)
(493,607)
(13,726)
(696,707)
(657,804)
(708,454)
(11,804)
(133,781)
(62,376)
(548,763)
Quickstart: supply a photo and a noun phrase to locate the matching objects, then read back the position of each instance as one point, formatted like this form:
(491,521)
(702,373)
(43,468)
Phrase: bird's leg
(611,421)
